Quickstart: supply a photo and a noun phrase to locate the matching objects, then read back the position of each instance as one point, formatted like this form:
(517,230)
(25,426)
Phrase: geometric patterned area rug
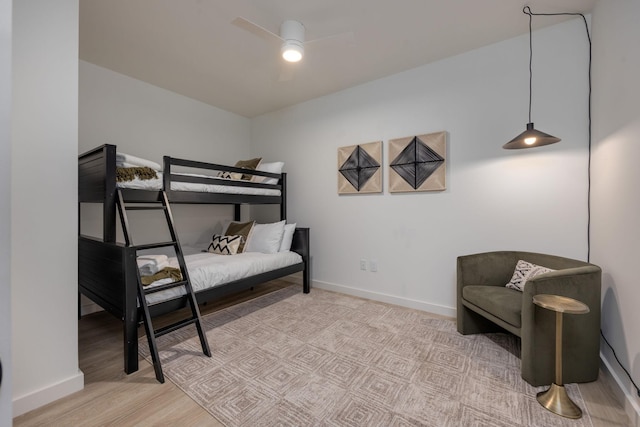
(328,359)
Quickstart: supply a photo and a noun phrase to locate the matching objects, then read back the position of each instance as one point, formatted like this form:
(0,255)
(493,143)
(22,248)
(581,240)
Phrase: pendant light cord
(527,10)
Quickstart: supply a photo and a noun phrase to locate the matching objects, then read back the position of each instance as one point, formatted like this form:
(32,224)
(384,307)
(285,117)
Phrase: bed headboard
(97,184)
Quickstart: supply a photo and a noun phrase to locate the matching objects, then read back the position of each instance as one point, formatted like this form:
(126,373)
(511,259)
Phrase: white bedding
(207,270)
(156,184)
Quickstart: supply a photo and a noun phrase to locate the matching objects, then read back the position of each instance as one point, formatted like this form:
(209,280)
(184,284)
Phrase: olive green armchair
(484,304)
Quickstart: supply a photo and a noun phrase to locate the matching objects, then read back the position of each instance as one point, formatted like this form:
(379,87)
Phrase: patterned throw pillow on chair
(523,272)
(224,245)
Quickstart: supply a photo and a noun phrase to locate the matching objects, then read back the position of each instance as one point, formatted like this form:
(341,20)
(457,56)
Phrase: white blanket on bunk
(124,160)
(207,270)
(127,160)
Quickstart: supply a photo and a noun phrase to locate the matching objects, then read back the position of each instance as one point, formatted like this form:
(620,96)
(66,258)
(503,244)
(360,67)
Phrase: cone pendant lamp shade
(530,138)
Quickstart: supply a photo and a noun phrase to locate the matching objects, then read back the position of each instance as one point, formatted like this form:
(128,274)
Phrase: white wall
(43,202)
(495,199)
(5,211)
(149,122)
(616,199)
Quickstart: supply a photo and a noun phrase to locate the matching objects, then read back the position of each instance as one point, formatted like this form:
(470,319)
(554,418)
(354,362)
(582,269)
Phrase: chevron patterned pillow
(224,245)
(523,272)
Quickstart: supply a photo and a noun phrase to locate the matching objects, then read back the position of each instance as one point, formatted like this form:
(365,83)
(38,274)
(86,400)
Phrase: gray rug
(327,359)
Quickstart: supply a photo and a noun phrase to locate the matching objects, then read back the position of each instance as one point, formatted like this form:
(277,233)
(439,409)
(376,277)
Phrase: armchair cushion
(503,303)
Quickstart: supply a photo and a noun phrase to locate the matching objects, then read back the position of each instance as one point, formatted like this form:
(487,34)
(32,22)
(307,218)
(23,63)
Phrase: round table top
(560,304)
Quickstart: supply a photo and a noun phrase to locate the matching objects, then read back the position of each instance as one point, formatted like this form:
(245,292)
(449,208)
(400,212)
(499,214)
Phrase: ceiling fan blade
(256,29)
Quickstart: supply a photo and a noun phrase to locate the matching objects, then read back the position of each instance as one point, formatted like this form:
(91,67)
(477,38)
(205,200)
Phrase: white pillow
(287,237)
(523,272)
(274,167)
(265,238)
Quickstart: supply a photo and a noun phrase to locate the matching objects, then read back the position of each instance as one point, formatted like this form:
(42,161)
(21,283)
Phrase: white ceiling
(192,48)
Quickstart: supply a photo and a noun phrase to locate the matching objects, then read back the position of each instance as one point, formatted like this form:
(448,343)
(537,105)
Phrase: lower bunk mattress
(207,270)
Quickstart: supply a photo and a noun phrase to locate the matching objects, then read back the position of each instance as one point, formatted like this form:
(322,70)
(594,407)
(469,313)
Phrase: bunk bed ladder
(195,318)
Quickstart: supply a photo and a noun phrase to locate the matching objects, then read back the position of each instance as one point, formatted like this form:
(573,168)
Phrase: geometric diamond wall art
(418,163)
(360,168)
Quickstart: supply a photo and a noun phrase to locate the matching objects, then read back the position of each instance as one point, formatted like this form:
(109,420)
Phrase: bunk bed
(107,269)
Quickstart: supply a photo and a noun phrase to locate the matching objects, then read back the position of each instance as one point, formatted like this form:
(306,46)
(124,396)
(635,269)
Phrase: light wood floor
(112,398)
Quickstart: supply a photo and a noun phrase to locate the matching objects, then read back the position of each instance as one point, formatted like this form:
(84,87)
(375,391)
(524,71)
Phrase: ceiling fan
(291,39)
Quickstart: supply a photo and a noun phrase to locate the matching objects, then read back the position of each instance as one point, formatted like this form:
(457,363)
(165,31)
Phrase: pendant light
(531,137)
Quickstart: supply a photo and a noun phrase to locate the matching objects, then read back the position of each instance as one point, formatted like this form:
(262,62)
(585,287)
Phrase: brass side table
(555,399)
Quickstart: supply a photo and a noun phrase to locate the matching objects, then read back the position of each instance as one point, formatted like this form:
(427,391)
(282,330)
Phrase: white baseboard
(391,299)
(628,400)
(38,398)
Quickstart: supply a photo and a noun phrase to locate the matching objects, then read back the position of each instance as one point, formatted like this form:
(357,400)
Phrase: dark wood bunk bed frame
(107,269)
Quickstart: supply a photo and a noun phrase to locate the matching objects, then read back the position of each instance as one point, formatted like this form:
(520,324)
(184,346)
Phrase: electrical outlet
(363,264)
(373,266)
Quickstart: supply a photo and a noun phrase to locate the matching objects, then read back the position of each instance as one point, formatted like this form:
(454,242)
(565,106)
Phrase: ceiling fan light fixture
(292,50)
(292,34)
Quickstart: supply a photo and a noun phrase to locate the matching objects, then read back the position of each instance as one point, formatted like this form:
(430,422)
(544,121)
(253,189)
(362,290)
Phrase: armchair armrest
(581,283)
(581,336)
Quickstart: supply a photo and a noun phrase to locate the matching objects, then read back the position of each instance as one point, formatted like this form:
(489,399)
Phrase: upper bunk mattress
(155,184)
(207,270)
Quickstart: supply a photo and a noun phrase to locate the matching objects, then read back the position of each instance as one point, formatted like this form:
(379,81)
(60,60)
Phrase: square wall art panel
(418,163)
(360,168)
